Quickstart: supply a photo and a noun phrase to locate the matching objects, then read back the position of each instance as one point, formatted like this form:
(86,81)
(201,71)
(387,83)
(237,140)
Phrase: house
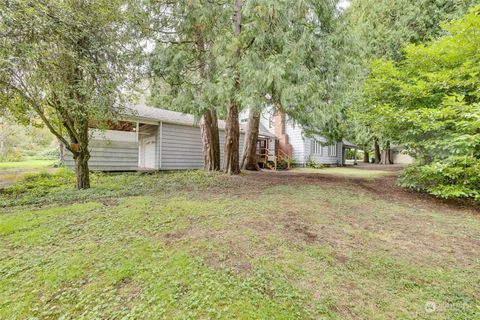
(149,138)
(293,141)
(399,157)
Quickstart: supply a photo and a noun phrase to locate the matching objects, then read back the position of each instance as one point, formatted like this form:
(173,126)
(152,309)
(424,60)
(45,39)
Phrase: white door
(149,151)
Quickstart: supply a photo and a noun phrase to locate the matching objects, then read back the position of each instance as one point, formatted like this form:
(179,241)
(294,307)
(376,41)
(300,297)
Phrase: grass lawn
(11,172)
(346,171)
(27,164)
(192,245)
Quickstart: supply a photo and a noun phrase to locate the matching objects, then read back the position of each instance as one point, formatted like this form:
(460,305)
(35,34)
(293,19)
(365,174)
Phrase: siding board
(109,156)
(180,147)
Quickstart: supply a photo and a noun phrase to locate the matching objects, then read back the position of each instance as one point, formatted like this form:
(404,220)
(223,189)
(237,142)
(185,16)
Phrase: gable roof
(142,111)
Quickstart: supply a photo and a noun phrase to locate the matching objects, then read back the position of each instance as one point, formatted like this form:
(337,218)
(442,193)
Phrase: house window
(316,147)
(244,120)
(332,150)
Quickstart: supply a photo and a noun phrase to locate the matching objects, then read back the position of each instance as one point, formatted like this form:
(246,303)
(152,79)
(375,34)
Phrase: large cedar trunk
(232,141)
(210,140)
(377,152)
(250,161)
(366,156)
(81,169)
(232,128)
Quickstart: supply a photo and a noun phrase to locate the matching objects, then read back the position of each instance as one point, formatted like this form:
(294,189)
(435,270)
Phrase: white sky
(343,4)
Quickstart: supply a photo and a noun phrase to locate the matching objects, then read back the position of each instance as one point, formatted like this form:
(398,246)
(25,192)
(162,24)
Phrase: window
(332,150)
(316,147)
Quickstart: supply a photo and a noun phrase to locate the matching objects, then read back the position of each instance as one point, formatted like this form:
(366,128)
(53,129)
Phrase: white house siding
(323,158)
(271,149)
(180,147)
(267,120)
(110,155)
(296,140)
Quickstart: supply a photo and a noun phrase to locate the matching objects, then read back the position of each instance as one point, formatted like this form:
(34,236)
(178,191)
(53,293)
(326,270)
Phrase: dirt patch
(382,187)
(128,291)
(110,202)
(303,232)
(172,237)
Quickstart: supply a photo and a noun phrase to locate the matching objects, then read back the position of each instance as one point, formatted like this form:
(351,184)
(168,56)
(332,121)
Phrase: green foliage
(187,49)
(290,57)
(67,64)
(380,29)
(18,142)
(454,177)
(64,61)
(383,27)
(430,102)
(312,163)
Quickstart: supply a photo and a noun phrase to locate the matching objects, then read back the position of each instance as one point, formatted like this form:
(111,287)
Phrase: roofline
(157,122)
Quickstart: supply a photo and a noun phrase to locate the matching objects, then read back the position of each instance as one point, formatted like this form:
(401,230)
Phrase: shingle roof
(151,113)
(347,143)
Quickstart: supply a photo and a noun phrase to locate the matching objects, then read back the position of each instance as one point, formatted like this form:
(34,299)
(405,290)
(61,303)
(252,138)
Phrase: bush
(12,156)
(312,163)
(455,177)
(47,154)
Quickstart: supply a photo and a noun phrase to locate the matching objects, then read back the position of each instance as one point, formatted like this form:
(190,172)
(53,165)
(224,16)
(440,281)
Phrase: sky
(343,3)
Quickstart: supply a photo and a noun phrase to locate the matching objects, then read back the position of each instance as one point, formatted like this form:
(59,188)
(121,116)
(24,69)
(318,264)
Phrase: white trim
(137,129)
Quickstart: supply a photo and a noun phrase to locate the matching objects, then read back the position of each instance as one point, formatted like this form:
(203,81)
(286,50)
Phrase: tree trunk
(81,169)
(81,156)
(386,155)
(210,140)
(250,161)
(232,141)
(366,156)
(232,129)
(377,152)
(61,150)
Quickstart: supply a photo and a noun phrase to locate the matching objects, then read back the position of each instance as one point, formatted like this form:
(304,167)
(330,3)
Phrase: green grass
(27,164)
(346,171)
(192,245)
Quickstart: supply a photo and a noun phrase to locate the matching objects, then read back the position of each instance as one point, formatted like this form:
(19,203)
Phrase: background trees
(430,102)
(187,36)
(381,29)
(65,63)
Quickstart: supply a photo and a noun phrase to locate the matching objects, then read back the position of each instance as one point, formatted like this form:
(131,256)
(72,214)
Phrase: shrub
(13,155)
(454,177)
(312,163)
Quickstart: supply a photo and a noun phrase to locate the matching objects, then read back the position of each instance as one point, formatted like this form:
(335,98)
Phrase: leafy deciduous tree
(64,62)
(430,102)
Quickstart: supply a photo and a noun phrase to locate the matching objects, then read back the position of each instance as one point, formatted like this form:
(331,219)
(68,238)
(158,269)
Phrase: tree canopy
(430,102)
(65,63)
